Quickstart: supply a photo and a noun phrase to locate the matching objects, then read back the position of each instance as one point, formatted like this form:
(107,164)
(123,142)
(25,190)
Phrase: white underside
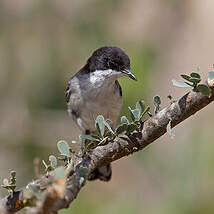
(97,94)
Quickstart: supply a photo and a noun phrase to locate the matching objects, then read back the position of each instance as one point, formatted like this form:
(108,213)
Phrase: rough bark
(122,146)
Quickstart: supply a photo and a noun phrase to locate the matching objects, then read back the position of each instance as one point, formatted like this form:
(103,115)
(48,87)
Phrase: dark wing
(68,92)
(119,87)
(74,113)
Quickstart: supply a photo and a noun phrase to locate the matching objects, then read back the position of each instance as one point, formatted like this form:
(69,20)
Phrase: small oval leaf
(64,148)
(204,89)
(136,113)
(125,120)
(195,75)
(121,128)
(109,122)
(53,161)
(180,84)
(100,123)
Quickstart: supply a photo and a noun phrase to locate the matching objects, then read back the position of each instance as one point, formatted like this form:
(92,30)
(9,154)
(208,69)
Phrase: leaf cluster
(193,80)
(105,128)
(10,184)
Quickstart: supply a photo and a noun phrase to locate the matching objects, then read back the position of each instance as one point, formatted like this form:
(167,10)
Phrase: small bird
(95,90)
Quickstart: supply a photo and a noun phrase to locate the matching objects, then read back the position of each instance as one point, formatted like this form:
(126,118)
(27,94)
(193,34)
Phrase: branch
(122,146)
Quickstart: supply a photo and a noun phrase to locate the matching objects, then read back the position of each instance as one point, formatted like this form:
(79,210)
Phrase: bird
(94,90)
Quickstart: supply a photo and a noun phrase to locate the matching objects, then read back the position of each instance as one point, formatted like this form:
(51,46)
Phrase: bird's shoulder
(72,88)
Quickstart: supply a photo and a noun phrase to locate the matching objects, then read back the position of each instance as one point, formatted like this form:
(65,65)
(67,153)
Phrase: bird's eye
(106,60)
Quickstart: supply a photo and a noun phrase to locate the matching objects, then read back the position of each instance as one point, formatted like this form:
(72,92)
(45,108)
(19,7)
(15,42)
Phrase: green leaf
(195,75)
(109,122)
(186,77)
(64,148)
(60,173)
(136,113)
(100,124)
(195,80)
(125,120)
(108,127)
(131,114)
(53,161)
(121,128)
(204,89)
(180,84)
(131,127)
(89,137)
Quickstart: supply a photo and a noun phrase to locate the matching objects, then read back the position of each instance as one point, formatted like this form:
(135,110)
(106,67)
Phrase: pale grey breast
(93,95)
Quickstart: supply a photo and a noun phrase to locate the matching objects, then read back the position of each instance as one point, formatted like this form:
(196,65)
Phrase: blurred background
(43,43)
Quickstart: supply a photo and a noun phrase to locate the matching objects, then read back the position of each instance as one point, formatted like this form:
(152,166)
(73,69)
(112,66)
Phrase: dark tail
(103,173)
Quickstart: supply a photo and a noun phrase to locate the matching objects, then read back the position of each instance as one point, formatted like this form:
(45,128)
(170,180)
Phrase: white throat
(100,77)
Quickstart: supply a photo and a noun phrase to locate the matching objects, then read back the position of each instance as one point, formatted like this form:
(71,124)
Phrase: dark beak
(129,74)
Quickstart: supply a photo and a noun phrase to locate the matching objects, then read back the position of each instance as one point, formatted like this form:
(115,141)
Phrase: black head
(110,57)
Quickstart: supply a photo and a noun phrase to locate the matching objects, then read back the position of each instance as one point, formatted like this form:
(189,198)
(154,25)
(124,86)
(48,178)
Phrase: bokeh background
(43,43)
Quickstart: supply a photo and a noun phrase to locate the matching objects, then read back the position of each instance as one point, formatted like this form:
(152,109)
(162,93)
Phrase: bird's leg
(84,143)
